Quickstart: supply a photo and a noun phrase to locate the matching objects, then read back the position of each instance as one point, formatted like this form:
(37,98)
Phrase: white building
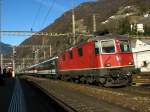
(141,52)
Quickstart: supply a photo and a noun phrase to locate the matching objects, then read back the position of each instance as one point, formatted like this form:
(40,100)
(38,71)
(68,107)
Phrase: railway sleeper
(106,80)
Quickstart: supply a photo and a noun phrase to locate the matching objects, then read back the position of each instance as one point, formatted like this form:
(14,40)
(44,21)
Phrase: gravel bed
(136,102)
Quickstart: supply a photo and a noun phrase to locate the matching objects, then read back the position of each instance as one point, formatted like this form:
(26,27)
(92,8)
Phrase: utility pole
(1,63)
(73,23)
(50,50)
(43,43)
(23,63)
(1,55)
(37,56)
(94,23)
(13,61)
(44,53)
(34,54)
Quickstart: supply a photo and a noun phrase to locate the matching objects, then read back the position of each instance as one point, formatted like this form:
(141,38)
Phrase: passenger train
(104,60)
(45,68)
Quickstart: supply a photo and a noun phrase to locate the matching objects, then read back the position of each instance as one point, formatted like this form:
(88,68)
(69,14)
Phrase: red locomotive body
(105,60)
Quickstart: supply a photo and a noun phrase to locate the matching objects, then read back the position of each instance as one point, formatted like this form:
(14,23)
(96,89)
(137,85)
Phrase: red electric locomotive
(105,60)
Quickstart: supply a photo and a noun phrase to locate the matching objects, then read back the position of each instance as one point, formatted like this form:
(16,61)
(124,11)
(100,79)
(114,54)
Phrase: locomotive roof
(109,36)
(103,37)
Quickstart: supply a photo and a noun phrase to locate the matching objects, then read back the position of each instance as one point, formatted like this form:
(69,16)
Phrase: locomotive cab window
(124,46)
(108,46)
(97,47)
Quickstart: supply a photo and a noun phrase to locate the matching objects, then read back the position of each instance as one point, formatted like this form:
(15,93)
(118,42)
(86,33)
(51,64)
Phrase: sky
(22,15)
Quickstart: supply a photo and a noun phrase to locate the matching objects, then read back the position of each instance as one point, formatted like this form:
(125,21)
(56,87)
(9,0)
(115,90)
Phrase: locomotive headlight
(108,65)
(130,63)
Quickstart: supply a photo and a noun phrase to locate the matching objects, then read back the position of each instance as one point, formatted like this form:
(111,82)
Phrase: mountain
(5,49)
(103,9)
(112,15)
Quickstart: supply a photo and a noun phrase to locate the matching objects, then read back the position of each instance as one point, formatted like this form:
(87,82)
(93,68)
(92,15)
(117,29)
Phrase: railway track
(122,98)
(134,90)
(64,105)
(76,101)
(37,101)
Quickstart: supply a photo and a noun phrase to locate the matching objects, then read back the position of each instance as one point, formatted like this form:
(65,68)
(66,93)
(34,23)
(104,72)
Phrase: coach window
(97,47)
(80,52)
(71,54)
(108,46)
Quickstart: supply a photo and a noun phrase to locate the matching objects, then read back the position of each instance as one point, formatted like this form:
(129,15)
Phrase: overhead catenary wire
(33,33)
(0,21)
(1,55)
(48,12)
(36,16)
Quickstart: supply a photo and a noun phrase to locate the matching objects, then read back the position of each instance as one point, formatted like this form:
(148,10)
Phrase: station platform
(6,91)
(17,95)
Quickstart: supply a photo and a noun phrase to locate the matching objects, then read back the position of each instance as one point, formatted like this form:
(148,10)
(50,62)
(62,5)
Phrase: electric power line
(36,16)
(48,12)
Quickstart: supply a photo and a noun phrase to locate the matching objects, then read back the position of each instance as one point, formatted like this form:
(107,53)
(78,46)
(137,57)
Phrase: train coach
(104,60)
(46,68)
